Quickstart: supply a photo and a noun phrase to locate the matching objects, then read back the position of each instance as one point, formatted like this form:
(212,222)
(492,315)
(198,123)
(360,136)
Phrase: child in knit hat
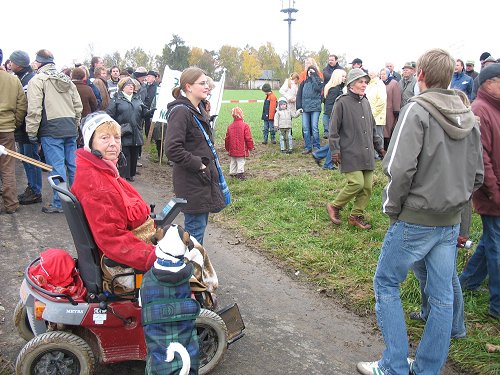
(283,123)
(238,144)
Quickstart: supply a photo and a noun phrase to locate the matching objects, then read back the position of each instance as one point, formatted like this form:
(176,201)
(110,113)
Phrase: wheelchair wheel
(22,323)
(212,337)
(56,352)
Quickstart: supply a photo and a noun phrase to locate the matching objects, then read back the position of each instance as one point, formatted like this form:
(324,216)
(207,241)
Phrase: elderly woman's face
(108,143)
(129,88)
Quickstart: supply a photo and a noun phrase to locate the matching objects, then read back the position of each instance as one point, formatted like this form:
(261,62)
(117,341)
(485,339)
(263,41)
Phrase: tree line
(241,64)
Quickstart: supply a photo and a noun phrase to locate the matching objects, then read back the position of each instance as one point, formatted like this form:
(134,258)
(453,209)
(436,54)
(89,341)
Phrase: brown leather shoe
(334,213)
(358,221)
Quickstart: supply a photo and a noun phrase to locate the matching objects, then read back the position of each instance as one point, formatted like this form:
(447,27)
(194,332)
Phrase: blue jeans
(324,152)
(310,127)
(326,123)
(268,127)
(404,244)
(458,326)
(486,262)
(60,153)
(196,224)
(33,174)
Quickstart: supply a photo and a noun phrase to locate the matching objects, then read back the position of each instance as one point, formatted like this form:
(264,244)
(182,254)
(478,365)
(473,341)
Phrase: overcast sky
(372,30)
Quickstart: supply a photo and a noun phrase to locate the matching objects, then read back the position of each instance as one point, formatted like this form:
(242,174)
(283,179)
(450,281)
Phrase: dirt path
(291,328)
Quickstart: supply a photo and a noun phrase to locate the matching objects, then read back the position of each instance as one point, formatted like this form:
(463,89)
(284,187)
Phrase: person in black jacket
(151,88)
(309,100)
(20,61)
(129,111)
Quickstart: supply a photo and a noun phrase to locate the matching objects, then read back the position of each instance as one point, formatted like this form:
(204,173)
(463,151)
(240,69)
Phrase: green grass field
(281,210)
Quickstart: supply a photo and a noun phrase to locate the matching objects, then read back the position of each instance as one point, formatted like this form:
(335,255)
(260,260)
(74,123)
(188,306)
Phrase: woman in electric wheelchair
(118,217)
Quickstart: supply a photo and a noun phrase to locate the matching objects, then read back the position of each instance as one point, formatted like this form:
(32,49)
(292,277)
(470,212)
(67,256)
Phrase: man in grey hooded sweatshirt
(434,163)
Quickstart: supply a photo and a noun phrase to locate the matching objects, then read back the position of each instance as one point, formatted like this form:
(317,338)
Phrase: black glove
(33,140)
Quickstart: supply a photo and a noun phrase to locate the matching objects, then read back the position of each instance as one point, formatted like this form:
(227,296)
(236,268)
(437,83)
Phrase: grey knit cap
(20,58)
(355,74)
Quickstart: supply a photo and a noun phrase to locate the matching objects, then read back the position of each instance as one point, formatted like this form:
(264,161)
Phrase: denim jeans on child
(310,130)
(33,174)
(60,153)
(458,326)
(196,224)
(267,128)
(486,262)
(404,244)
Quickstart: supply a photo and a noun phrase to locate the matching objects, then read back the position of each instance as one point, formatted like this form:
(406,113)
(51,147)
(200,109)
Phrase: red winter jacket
(239,139)
(113,208)
(486,199)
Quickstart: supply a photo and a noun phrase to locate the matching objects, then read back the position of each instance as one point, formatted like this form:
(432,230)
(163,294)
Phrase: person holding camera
(309,100)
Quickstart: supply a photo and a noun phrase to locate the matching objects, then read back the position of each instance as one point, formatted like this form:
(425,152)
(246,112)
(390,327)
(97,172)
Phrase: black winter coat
(332,95)
(24,75)
(186,146)
(133,112)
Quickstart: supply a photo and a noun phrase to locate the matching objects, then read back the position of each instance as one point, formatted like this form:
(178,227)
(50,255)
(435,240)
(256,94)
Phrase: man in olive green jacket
(12,112)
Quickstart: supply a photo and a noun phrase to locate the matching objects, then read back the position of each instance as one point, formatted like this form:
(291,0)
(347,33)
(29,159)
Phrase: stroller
(71,335)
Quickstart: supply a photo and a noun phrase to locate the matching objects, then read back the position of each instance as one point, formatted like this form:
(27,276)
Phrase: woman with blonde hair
(197,175)
(289,90)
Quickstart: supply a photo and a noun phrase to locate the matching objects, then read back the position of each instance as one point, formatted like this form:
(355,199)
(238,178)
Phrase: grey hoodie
(434,161)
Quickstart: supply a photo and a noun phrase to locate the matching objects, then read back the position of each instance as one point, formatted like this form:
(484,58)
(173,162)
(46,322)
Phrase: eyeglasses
(202,83)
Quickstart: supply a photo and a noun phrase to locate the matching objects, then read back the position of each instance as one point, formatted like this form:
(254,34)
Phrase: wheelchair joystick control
(152,206)
(103,304)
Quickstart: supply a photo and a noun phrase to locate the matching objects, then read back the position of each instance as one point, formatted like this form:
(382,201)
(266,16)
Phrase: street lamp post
(290,10)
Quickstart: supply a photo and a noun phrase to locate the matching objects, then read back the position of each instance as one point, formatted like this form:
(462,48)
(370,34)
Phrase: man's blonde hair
(438,67)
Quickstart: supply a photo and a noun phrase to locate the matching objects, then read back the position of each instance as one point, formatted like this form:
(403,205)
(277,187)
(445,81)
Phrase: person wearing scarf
(115,211)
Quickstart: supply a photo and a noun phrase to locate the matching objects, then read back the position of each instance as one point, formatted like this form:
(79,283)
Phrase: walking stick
(36,163)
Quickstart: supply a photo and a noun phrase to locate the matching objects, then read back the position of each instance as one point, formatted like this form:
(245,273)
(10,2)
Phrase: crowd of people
(439,123)
(435,126)
(50,112)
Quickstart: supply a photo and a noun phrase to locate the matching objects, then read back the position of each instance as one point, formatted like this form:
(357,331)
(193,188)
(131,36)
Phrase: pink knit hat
(237,112)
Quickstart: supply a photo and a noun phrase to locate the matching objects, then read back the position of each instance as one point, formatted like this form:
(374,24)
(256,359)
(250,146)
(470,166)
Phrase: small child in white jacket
(283,123)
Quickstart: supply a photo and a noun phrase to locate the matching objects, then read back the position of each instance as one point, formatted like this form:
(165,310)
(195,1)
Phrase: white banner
(170,80)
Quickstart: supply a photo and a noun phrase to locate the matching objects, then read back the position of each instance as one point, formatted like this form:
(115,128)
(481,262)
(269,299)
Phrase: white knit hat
(90,123)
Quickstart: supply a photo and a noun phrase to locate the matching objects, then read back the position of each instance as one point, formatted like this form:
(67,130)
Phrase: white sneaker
(369,368)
